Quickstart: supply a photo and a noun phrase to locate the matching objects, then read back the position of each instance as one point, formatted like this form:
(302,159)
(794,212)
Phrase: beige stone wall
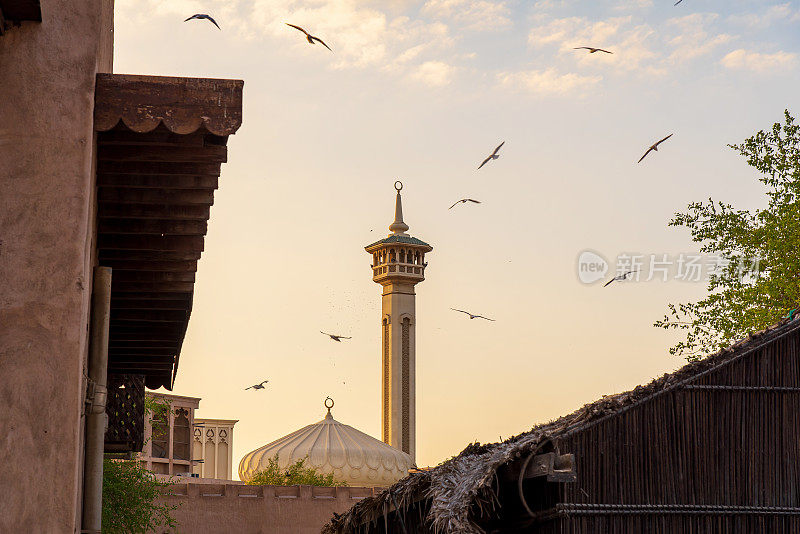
(214,508)
(47,77)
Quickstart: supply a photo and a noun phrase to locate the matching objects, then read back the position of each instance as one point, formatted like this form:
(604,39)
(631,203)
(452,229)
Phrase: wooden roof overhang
(16,11)
(160,146)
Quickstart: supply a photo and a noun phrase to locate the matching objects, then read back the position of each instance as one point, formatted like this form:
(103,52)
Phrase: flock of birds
(312,39)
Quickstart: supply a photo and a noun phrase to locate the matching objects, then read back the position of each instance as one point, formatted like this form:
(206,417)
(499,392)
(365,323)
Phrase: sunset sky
(422,91)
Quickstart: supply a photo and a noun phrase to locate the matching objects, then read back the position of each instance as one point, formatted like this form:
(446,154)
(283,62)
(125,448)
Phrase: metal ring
(326,402)
(398,188)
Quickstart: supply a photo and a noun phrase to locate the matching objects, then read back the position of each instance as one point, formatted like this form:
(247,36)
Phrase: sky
(422,91)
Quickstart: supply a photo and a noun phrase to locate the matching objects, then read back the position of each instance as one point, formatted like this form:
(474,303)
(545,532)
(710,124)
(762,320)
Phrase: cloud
(434,73)
(766,18)
(742,59)
(616,33)
(626,5)
(549,82)
(694,39)
(475,15)
(361,34)
(550,4)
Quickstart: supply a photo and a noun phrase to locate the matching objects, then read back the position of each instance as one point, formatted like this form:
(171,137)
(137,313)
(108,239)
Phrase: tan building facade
(179,444)
(47,79)
(212,442)
(168,436)
(100,233)
(240,509)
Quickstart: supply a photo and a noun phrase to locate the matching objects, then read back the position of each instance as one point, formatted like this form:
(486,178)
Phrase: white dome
(332,447)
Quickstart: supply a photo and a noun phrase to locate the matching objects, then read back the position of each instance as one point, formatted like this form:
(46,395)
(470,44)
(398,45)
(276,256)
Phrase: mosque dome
(333,447)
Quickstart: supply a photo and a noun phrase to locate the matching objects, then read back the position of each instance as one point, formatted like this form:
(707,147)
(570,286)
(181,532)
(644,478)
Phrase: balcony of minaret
(398,263)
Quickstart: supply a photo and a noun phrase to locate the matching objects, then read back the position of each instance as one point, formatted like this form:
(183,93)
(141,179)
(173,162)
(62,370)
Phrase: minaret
(398,264)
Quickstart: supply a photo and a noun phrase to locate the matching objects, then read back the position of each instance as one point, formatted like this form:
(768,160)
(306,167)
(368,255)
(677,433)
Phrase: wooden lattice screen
(125,410)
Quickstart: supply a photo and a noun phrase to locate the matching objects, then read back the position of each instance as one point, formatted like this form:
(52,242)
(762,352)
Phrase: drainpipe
(96,419)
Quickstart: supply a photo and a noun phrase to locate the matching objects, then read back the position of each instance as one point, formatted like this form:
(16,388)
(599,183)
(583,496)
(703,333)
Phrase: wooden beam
(151,167)
(145,211)
(153,276)
(143,363)
(142,338)
(167,287)
(163,154)
(149,316)
(158,344)
(142,358)
(148,255)
(189,266)
(182,243)
(153,332)
(135,367)
(144,295)
(159,181)
(156,227)
(174,305)
(145,354)
(171,197)
(127,301)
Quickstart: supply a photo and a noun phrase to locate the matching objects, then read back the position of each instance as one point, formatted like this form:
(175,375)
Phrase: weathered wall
(214,508)
(47,73)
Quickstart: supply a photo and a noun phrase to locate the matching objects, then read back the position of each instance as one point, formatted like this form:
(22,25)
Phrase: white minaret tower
(398,264)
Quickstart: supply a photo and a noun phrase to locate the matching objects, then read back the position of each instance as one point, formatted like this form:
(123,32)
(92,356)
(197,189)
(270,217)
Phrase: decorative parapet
(192,490)
(182,105)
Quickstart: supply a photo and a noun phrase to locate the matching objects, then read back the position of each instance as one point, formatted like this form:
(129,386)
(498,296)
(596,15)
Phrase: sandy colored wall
(47,73)
(214,508)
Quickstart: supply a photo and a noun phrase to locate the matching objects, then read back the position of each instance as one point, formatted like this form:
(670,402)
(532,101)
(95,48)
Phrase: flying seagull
(464,200)
(654,147)
(200,16)
(471,316)
(591,49)
(310,38)
(619,277)
(257,386)
(494,155)
(334,337)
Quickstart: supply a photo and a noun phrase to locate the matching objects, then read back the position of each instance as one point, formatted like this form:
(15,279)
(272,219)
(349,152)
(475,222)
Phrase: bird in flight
(619,277)
(310,38)
(471,316)
(678,2)
(464,200)
(200,16)
(654,147)
(257,386)
(591,49)
(334,337)
(494,155)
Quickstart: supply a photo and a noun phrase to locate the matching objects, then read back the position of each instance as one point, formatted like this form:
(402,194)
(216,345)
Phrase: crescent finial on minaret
(398,227)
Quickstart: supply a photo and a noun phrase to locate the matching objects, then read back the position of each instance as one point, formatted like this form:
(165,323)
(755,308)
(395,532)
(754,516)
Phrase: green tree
(129,499)
(295,474)
(761,282)
(130,491)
